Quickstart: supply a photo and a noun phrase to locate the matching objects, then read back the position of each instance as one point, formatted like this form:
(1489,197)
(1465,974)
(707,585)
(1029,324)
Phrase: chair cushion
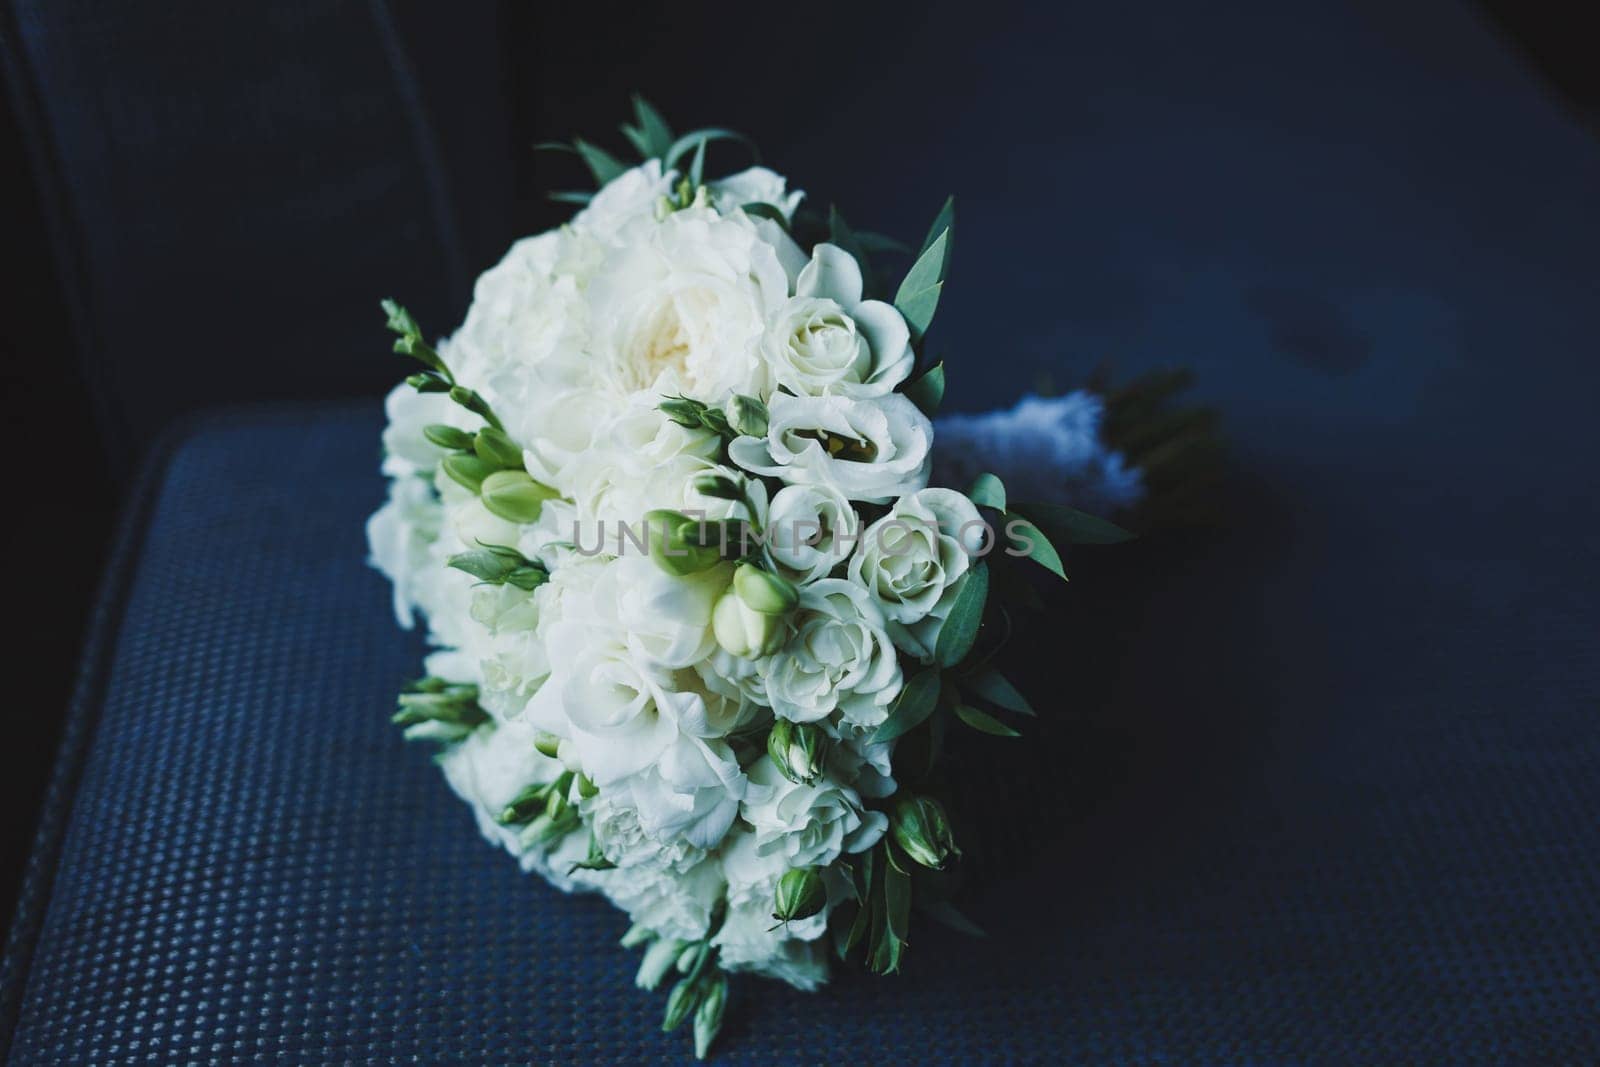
(1352,820)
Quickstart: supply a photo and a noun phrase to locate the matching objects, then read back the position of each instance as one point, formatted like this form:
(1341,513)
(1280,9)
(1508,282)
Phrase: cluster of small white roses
(629,691)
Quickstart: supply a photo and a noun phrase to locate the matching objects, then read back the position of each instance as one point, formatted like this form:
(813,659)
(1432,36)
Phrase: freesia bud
(681,411)
(708,1016)
(515,496)
(674,541)
(922,830)
(800,749)
(744,632)
(496,449)
(448,437)
(764,591)
(683,999)
(718,486)
(747,416)
(658,960)
(548,744)
(467,471)
(800,895)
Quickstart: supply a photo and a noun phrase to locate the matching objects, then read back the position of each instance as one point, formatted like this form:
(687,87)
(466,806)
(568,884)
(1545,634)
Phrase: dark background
(1358,209)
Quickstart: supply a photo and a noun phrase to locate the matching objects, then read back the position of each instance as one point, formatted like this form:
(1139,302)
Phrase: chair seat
(253,867)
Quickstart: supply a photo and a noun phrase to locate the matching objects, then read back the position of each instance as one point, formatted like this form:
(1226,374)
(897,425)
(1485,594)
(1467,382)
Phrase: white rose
(683,310)
(839,657)
(757,185)
(872,450)
(810,530)
(914,559)
(806,825)
(826,339)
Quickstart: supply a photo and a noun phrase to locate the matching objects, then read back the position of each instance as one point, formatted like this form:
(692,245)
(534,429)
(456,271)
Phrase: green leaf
(896,913)
(602,164)
(914,704)
(918,295)
(992,686)
(1030,542)
(982,720)
(697,165)
(942,223)
(682,145)
(988,491)
(656,135)
(840,233)
(960,628)
(759,210)
(1073,527)
(945,913)
(871,242)
(572,197)
(927,392)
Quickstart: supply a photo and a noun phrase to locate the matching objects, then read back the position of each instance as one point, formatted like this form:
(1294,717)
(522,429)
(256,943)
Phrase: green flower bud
(496,449)
(764,591)
(744,632)
(515,496)
(719,486)
(658,960)
(528,578)
(548,744)
(683,999)
(448,437)
(800,749)
(691,956)
(708,1016)
(747,416)
(800,895)
(428,382)
(638,934)
(682,411)
(587,788)
(466,470)
(474,403)
(922,830)
(674,541)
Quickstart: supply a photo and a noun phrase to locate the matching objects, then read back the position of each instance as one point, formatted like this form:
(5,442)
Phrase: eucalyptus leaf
(983,721)
(896,898)
(960,628)
(572,197)
(943,222)
(653,129)
(992,686)
(1030,542)
(988,491)
(1074,527)
(927,392)
(871,242)
(602,164)
(912,707)
(918,295)
(683,144)
(697,165)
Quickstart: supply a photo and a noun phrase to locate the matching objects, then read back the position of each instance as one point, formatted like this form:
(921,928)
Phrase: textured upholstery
(1377,845)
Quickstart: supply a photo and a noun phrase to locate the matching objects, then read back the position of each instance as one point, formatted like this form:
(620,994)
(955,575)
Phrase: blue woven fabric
(1377,846)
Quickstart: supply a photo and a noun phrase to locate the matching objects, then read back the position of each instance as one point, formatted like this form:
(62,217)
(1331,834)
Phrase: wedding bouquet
(709,591)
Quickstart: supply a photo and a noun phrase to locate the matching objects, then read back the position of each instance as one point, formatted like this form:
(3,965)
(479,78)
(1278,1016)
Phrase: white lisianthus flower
(872,450)
(757,185)
(913,560)
(682,311)
(806,825)
(839,658)
(810,531)
(827,340)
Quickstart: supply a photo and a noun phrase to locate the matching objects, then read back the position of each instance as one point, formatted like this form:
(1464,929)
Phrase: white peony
(913,560)
(872,450)
(682,311)
(839,658)
(827,340)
